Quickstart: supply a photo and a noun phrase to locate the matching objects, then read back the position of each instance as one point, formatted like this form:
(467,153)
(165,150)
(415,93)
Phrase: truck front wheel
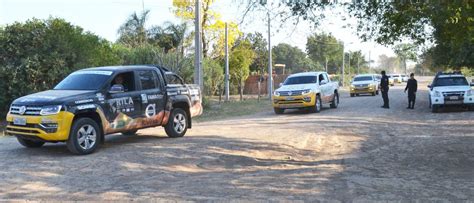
(84,136)
(177,124)
(278,110)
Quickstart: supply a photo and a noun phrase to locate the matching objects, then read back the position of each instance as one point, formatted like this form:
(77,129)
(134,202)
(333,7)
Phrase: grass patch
(233,108)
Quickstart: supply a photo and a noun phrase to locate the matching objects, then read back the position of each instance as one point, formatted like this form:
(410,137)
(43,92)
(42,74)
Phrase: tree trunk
(205,18)
(241,88)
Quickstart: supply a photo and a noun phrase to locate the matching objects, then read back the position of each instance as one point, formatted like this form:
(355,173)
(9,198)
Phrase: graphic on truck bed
(94,102)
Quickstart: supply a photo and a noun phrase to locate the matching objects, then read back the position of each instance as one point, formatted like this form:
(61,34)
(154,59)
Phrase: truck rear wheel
(278,110)
(84,136)
(335,101)
(30,143)
(177,124)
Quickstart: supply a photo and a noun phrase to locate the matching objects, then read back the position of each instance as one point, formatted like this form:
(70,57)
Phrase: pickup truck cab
(94,102)
(306,90)
(364,84)
(450,89)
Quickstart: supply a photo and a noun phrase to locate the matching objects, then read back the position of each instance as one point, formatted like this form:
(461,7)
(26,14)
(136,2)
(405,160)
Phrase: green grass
(233,108)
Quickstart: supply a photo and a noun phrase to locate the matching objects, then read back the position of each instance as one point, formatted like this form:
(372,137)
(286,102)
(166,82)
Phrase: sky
(104,17)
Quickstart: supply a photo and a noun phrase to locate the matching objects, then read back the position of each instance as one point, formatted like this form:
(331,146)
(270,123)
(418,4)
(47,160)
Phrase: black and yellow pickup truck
(91,103)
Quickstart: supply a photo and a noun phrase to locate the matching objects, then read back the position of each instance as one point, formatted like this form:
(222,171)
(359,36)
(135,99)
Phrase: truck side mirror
(116,89)
(281,84)
(429,86)
(323,82)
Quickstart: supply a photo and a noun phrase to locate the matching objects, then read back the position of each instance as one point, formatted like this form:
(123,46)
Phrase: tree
(389,64)
(240,60)
(447,26)
(294,58)
(322,47)
(169,36)
(357,62)
(133,32)
(213,76)
(259,45)
(37,54)
(405,52)
(211,23)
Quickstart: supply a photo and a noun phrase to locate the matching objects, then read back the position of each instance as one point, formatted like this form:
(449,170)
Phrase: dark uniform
(412,86)
(384,88)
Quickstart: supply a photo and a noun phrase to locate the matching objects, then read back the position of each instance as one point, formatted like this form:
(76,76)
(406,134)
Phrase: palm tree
(133,32)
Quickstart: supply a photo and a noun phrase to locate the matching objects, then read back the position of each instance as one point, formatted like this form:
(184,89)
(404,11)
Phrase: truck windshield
(452,81)
(362,78)
(84,80)
(300,80)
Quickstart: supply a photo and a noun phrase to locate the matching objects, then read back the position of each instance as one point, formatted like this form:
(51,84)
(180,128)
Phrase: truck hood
(363,82)
(52,97)
(296,87)
(452,88)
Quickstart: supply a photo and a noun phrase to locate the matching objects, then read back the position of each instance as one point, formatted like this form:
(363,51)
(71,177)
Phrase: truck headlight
(305,91)
(469,92)
(437,94)
(276,93)
(50,110)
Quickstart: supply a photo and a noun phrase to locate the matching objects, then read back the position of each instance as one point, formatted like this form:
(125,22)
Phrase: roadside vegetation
(215,110)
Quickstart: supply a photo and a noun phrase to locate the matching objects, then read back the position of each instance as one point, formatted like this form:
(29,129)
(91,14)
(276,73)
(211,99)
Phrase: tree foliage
(322,47)
(449,25)
(37,54)
(240,60)
(260,47)
(294,58)
(133,32)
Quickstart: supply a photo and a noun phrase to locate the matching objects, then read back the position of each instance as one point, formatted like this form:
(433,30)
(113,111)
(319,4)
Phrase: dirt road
(357,152)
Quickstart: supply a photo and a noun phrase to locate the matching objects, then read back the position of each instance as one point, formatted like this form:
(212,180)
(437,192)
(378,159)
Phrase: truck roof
(306,74)
(121,68)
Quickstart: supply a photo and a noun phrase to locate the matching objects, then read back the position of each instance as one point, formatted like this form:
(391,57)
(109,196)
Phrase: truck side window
(172,79)
(147,80)
(321,78)
(126,80)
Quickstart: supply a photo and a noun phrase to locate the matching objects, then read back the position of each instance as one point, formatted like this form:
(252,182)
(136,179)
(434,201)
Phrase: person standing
(412,86)
(384,89)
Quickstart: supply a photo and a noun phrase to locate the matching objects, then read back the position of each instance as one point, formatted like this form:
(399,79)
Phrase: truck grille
(29,110)
(363,85)
(291,93)
(448,94)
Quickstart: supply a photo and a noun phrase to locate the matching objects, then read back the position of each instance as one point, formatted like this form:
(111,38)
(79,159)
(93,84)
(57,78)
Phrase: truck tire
(84,136)
(30,143)
(373,93)
(352,95)
(278,110)
(177,124)
(434,108)
(130,133)
(318,105)
(335,101)
(377,92)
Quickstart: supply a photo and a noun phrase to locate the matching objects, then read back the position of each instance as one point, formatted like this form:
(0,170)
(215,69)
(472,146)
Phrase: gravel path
(357,152)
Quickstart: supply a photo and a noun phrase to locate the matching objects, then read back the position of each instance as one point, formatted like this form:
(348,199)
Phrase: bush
(37,54)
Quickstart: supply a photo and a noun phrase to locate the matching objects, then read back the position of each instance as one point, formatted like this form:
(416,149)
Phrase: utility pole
(343,59)
(270,71)
(226,65)
(198,46)
(349,64)
(326,64)
(358,68)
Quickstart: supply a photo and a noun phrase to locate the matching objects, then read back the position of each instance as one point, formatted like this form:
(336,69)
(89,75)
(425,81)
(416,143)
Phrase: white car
(450,89)
(404,78)
(306,90)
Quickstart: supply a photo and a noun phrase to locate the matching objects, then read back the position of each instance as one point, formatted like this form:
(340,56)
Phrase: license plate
(453,102)
(19,121)
(290,98)
(453,98)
